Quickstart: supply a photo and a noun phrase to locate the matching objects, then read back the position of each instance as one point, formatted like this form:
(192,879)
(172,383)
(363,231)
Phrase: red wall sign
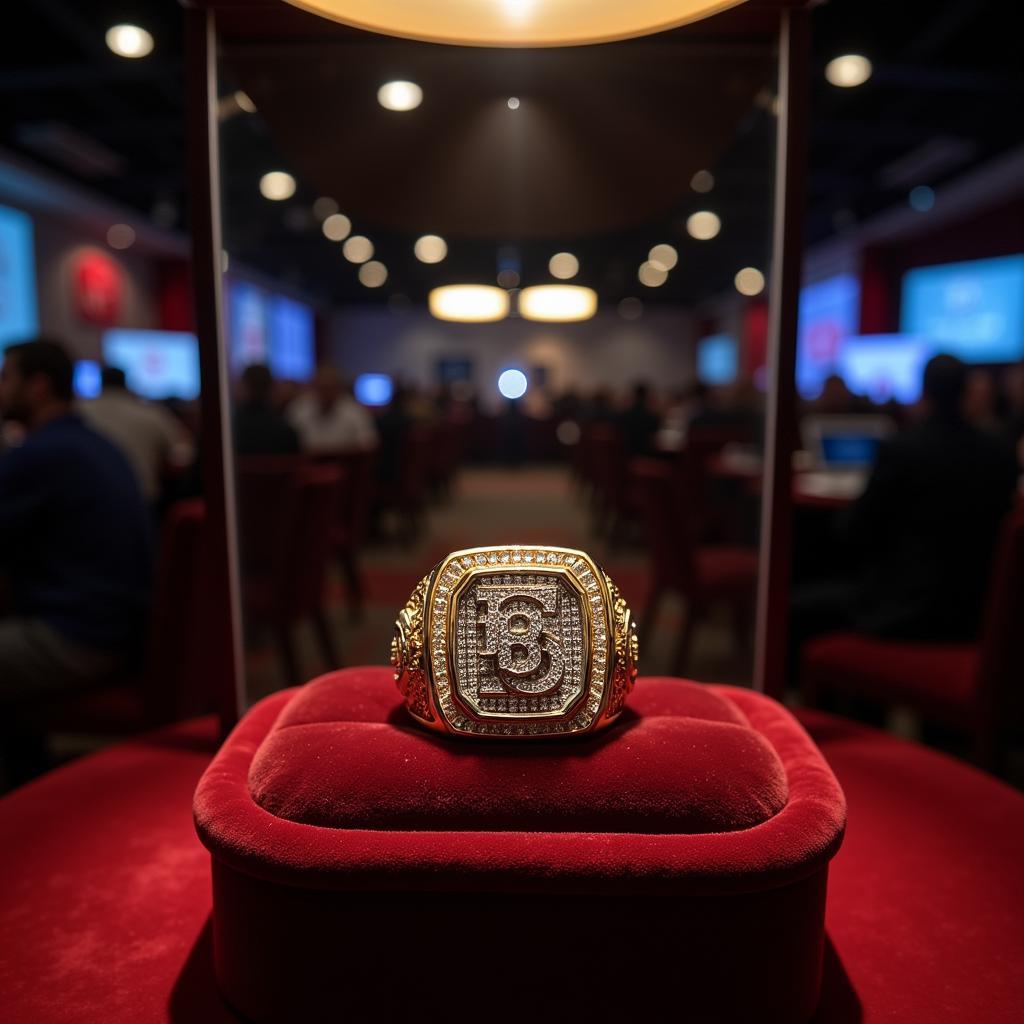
(98,287)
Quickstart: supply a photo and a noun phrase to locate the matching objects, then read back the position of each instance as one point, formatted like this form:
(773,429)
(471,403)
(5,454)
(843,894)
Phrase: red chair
(286,549)
(974,687)
(704,574)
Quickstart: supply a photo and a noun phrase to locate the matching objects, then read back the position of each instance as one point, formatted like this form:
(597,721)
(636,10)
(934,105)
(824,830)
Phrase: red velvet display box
(674,867)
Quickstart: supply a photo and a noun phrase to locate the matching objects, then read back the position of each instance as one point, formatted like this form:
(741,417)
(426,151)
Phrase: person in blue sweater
(75,539)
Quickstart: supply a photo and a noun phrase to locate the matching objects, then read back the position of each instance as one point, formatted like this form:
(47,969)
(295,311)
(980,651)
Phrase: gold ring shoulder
(627,651)
(409,657)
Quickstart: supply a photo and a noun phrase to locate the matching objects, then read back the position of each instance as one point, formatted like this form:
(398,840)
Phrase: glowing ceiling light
(244,102)
(702,181)
(663,256)
(848,71)
(120,236)
(514,22)
(512,383)
(651,275)
(469,303)
(337,227)
(749,281)
(513,103)
(373,274)
(430,249)
(557,303)
(129,41)
(563,265)
(357,249)
(324,207)
(277,185)
(703,225)
(400,96)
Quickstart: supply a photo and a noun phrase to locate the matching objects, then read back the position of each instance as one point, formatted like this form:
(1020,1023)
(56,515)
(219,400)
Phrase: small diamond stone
(516,556)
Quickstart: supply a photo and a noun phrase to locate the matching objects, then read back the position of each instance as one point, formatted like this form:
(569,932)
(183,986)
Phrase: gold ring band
(515,641)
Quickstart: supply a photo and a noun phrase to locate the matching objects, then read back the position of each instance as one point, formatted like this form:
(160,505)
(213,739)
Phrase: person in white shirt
(329,419)
(149,436)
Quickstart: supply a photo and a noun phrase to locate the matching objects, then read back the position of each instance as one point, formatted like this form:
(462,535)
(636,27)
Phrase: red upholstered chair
(288,512)
(608,468)
(704,574)
(973,687)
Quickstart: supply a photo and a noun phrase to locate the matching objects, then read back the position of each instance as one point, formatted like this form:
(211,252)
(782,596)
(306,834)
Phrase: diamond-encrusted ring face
(515,641)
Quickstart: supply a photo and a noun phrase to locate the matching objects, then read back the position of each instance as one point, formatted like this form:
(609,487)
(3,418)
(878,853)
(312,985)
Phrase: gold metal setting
(515,641)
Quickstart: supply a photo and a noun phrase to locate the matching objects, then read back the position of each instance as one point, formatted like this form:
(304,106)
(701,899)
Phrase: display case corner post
(773,593)
(221,612)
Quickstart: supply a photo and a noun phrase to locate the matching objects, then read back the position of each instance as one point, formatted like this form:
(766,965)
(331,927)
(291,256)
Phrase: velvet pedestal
(675,866)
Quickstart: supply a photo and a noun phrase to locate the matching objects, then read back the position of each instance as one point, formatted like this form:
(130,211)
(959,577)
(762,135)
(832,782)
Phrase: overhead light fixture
(129,41)
(357,249)
(400,96)
(373,274)
(563,265)
(848,71)
(703,225)
(557,303)
(324,207)
(469,303)
(513,103)
(702,181)
(120,236)
(652,275)
(514,22)
(430,249)
(749,281)
(277,185)
(337,227)
(663,256)
(512,383)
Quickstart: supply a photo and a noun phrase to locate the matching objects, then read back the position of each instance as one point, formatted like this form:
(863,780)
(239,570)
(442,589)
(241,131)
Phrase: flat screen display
(829,314)
(87,381)
(19,307)
(156,364)
(718,360)
(247,325)
(973,310)
(884,367)
(292,339)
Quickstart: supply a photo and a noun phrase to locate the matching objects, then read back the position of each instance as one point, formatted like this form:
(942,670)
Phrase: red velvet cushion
(940,677)
(685,760)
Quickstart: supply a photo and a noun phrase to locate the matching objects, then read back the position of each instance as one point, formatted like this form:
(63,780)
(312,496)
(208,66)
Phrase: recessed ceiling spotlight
(400,96)
(703,225)
(120,236)
(652,275)
(749,281)
(336,227)
(848,71)
(513,103)
(129,41)
(563,265)
(921,198)
(702,181)
(373,274)
(357,249)
(324,207)
(663,256)
(430,249)
(277,185)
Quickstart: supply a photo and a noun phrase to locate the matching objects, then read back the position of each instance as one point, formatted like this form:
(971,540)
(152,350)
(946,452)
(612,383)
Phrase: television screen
(718,360)
(292,339)
(373,388)
(19,311)
(87,382)
(973,310)
(157,364)
(451,370)
(884,366)
(247,325)
(829,313)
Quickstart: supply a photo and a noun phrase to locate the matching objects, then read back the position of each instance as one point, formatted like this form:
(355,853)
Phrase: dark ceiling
(597,159)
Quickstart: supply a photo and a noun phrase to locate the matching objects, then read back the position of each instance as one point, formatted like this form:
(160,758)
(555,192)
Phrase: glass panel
(381,423)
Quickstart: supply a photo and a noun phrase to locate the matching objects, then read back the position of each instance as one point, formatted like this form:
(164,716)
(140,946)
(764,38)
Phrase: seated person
(75,543)
(329,419)
(260,428)
(924,529)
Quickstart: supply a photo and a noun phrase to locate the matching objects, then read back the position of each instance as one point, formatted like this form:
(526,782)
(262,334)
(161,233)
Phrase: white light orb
(703,225)
(563,265)
(400,96)
(848,71)
(651,275)
(337,227)
(749,281)
(430,249)
(557,303)
(357,249)
(469,303)
(373,274)
(664,256)
(129,41)
(512,383)
(277,185)
(513,103)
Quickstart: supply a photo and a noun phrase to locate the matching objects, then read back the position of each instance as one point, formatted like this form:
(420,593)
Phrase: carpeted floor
(488,506)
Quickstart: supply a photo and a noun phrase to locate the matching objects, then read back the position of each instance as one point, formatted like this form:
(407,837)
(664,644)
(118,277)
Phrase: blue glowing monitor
(292,347)
(884,367)
(87,380)
(972,310)
(718,359)
(19,311)
(373,388)
(247,325)
(156,364)
(829,314)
